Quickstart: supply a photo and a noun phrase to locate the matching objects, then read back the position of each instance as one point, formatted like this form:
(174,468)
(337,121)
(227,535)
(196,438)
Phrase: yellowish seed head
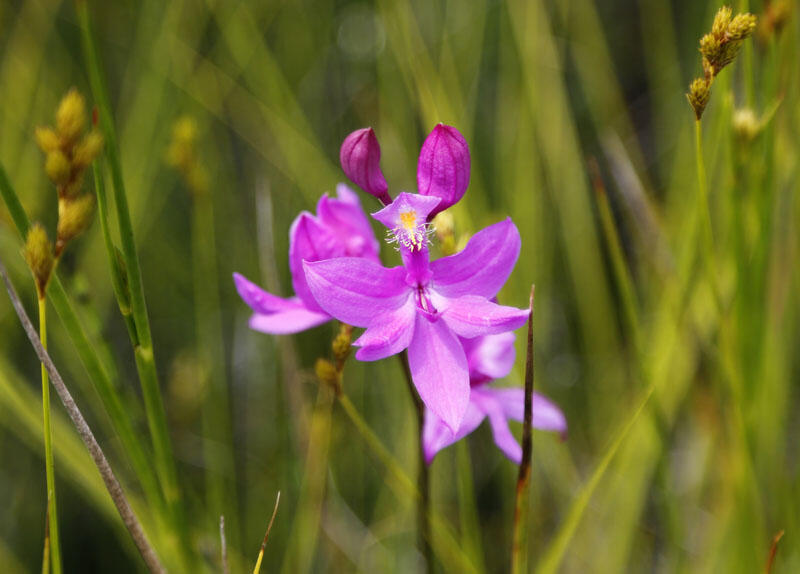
(38,252)
(71,116)
(47,139)
(87,149)
(698,95)
(57,167)
(74,217)
(721,21)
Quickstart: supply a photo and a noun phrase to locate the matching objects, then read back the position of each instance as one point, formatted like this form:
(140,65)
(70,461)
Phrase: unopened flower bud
(444,166)
(71,116)
(328,374)
(47,139)
(74,217)
(88,149)
(57,167)
(38,253)
(698,94)
(341,345)
(360,156)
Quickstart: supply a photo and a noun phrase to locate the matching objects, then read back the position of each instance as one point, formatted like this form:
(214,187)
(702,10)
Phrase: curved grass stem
(143,344)
(112,485)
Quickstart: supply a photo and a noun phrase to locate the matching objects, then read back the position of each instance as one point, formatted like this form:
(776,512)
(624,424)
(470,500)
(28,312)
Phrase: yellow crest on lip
(408,219)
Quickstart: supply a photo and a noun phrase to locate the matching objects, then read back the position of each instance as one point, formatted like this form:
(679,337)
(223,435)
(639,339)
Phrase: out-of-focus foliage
(542,90)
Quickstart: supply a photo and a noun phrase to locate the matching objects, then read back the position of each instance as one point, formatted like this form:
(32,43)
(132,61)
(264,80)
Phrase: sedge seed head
(698,95)
(87,149)
(47,139)
(38,252)
(57,167)
(71,116)
(74,217)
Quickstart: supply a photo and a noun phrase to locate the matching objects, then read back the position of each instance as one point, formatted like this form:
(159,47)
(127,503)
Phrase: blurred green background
(579,130)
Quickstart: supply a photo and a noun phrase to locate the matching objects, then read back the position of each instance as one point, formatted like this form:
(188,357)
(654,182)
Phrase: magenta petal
(483,266)
(546,415)
(489,357)
(288,321)
(360,156)
(488,401)
(261,301)
(356,291)
(274,314)
(407,203)
(439,369)
(388,334)
(472,316)
(346,220)
(444,166)
(436,435)
(309,240)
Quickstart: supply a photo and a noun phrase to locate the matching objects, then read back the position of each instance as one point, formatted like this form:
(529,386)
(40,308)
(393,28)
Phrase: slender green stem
(55,547)
(423,477)
(143,345)
(112,485)
(118,280)
(403,486)
(705,216)
(519,548)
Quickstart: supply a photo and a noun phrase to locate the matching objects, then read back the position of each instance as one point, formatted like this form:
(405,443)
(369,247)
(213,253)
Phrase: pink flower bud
(361,157)
(443,168)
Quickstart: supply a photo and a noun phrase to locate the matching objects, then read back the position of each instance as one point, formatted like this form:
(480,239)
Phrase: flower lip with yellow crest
(407,220)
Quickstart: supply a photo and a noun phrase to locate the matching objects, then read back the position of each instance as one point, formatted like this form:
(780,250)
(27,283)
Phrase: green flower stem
(423,477)
(143,346)
(111,399)
(444,541)
(55,547)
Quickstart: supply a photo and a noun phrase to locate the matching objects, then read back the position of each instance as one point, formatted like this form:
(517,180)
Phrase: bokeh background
(579,130)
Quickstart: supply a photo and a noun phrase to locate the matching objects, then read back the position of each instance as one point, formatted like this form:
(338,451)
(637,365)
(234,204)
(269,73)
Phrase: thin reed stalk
(143,344)
(52,513)
(519,547)
(109,479)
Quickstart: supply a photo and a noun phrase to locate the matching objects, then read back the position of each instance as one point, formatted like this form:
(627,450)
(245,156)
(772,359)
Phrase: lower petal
(288,321)
(388,335)
(546,415)
(439,370)
(436,435)
(261,301)
(503,438)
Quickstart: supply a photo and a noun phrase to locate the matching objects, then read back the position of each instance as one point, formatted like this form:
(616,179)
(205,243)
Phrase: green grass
(666,317)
